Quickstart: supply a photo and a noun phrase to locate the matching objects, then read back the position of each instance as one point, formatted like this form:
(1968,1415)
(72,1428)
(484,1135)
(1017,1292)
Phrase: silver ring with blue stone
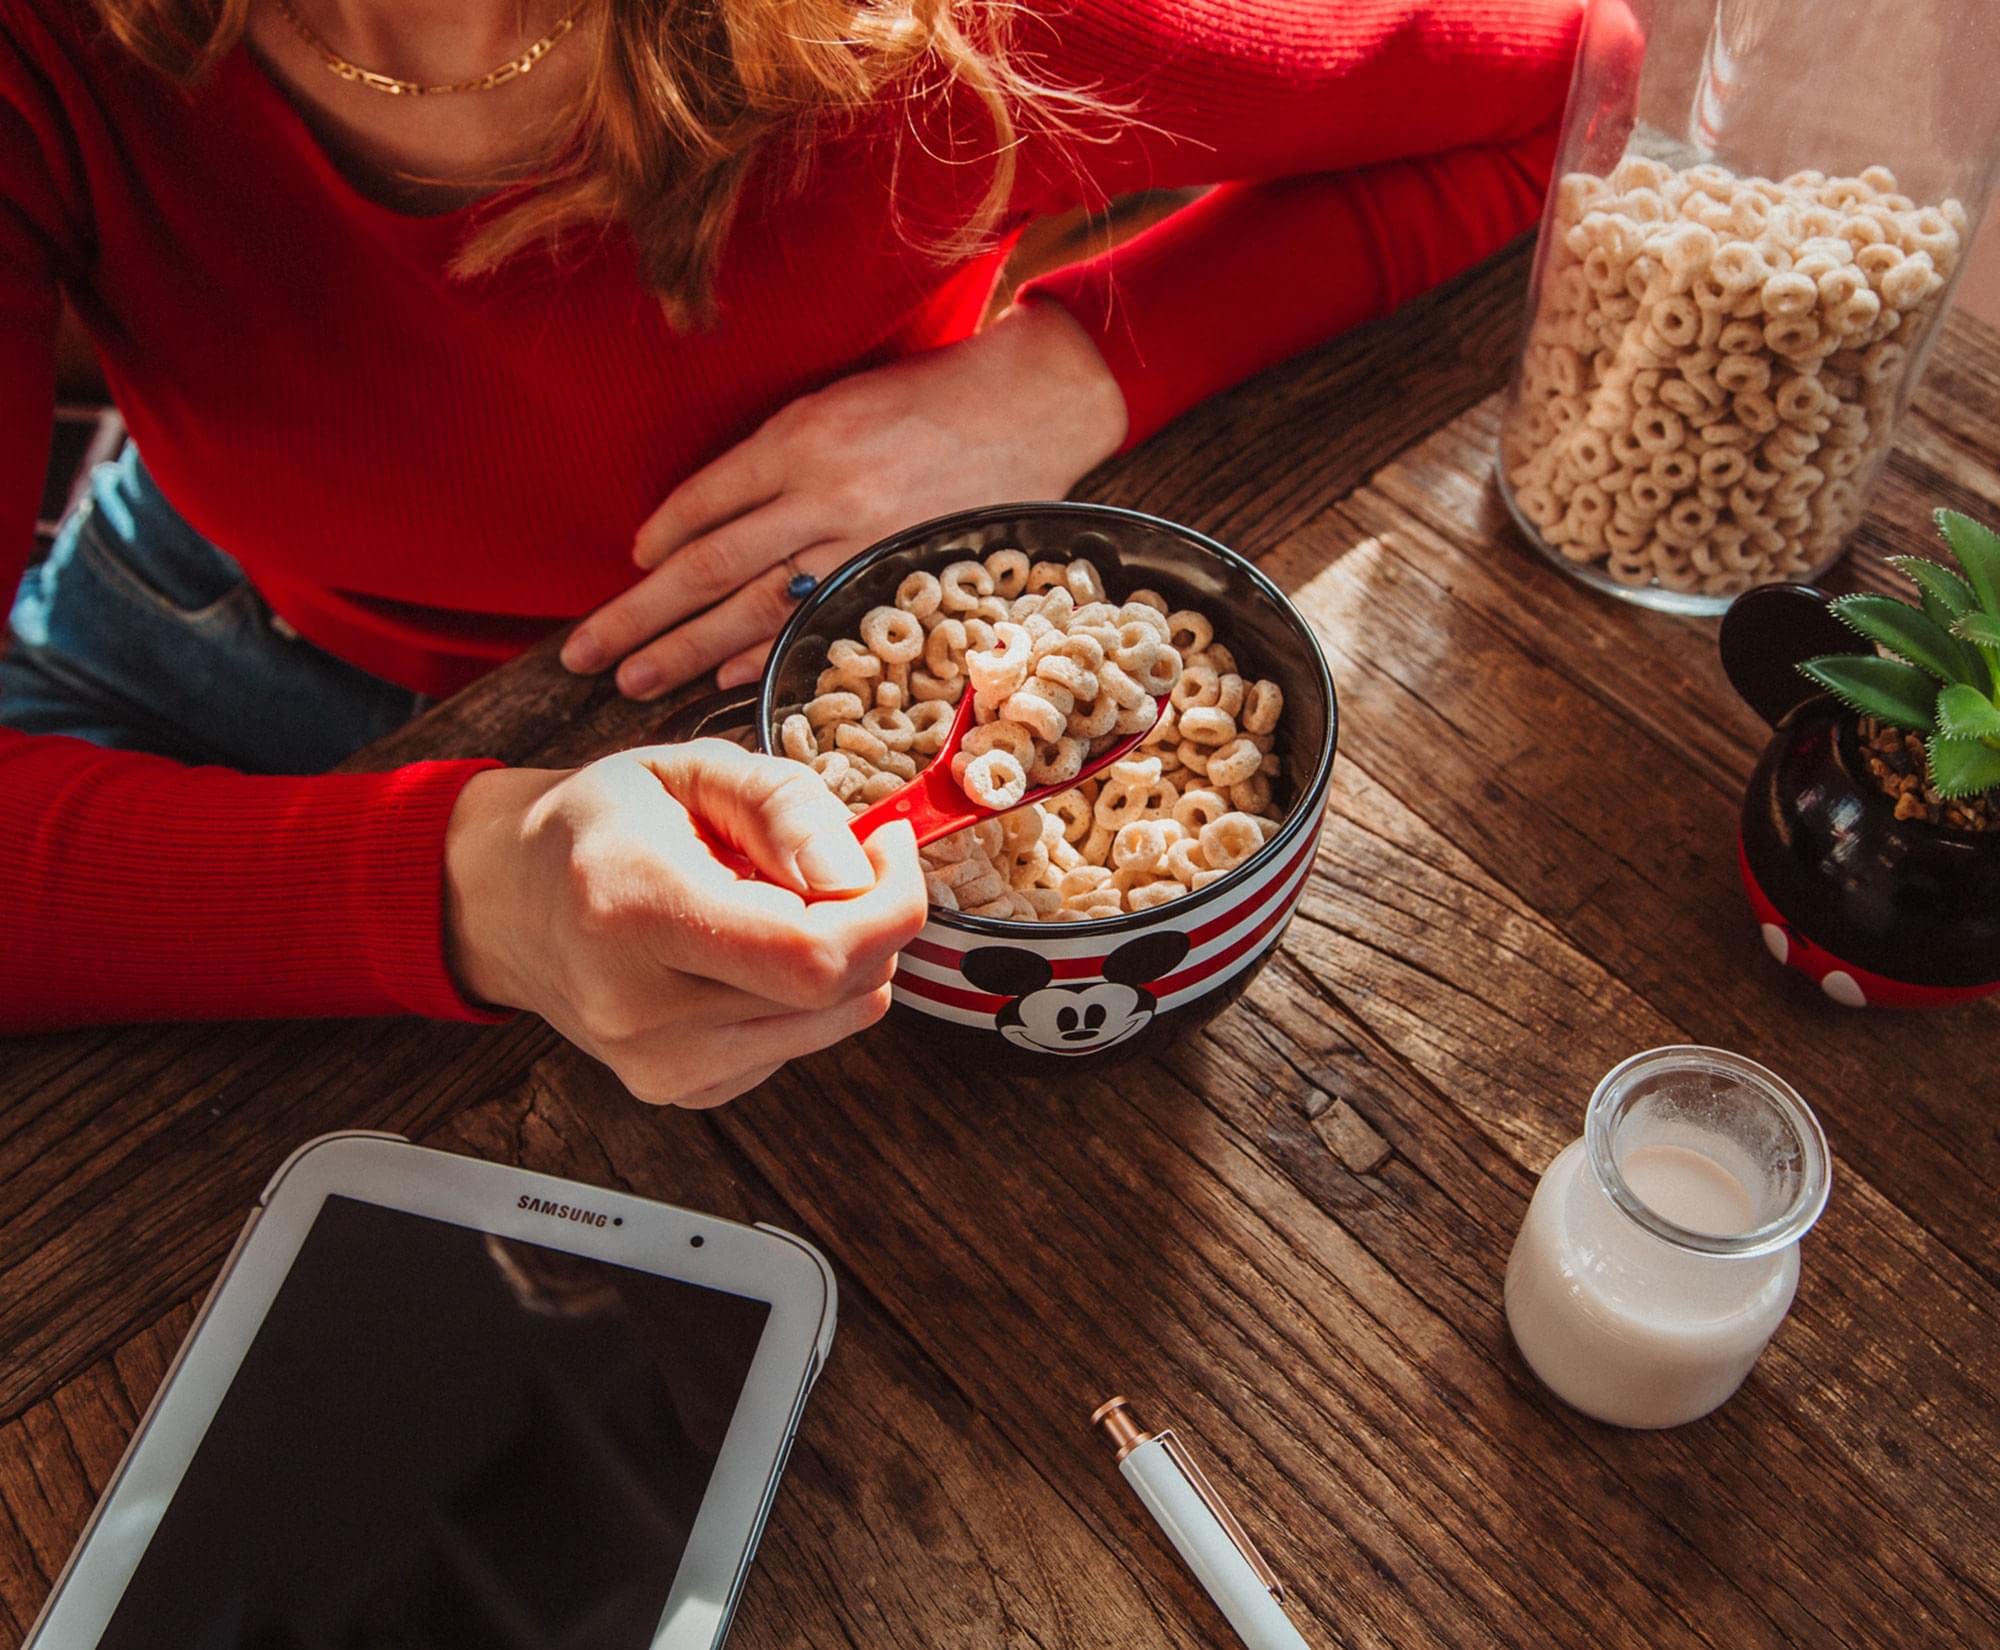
(801,584)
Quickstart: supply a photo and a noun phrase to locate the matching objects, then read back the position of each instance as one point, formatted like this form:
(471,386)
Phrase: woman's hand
(1018,411)
(589,898)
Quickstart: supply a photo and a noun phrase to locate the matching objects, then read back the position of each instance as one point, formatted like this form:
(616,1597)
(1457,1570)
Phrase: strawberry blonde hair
(685,95)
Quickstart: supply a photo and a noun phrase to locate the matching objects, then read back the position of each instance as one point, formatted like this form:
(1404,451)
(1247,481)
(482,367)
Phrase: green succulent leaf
(1981,628)
(1899,694)
(1963,767)
(1965,713)
(1978,551)
(1942,587)
(1907,633)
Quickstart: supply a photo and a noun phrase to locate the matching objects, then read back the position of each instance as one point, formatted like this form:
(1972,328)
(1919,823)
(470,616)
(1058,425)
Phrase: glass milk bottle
(1758,213)
(1661,1251)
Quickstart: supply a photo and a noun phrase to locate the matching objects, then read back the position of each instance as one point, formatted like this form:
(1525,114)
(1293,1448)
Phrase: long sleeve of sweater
(1364,151)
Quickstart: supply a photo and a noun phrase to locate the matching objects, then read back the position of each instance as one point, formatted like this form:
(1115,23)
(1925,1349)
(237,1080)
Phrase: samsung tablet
(434,1403)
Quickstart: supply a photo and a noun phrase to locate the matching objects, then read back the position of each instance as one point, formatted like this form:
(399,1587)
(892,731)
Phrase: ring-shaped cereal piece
(1197,806)
(833,707)
(1021,833)
(1058,761)
(1589,454)
(1229,841)
(1072,810)
(1058,608)
(846,654)
(857,740)
(1793,335)
(1189,631)
(1207,725)
(1658,429)
(892,634)
(1738,373)
(795,738)
(1096,719)
(1799,397)
(919,593)
(1150,894)
(1262,706)
(1120,687)
(945,648)
(1677,320)
(928,689)
(1155,667)
(1009,571)
(994,780)
(1741,337)
(893,727)
(1039,715)
(1910,282)
(1676,469)
(1738,266)
(1000,668)
(1083,581)
(964,584)
(1199,685)
(1788,294)
(1233,763)
(1184,862)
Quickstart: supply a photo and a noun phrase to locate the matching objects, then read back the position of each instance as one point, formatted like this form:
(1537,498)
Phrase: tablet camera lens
(696,1240)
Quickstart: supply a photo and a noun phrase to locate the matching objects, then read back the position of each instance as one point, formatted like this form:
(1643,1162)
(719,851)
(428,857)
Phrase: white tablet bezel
(762,1263)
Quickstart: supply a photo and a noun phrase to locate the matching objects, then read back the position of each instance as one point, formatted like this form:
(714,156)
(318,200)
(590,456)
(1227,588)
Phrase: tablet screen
(440,1438)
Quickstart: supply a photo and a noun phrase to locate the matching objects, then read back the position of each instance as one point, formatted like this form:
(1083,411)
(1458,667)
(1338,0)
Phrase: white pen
(1204,1531)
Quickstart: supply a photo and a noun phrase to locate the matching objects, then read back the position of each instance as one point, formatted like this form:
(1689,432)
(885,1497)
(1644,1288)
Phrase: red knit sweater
(422,474)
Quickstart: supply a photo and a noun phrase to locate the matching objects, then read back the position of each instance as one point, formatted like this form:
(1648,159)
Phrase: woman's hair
(685,94)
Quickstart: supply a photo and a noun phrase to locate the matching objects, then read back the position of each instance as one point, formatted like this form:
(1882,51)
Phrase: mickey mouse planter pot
(1039,992)
(1877,911)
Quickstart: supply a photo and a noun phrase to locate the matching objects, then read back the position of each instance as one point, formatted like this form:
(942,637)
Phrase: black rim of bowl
(1303,814)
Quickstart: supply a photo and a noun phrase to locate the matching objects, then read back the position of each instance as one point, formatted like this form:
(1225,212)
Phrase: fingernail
(582,654)
(833,861)
(734,675)
(638,679)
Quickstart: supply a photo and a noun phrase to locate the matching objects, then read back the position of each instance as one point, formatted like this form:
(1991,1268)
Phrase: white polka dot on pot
(1842,988)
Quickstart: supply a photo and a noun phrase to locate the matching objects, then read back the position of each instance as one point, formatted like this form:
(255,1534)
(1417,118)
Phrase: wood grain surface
(1286,1233)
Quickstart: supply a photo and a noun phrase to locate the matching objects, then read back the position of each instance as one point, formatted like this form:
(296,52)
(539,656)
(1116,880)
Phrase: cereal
(994,780)
(1713,370)
(1056,669)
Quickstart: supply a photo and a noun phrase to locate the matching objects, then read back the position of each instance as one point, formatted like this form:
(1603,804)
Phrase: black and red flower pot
(1877,911)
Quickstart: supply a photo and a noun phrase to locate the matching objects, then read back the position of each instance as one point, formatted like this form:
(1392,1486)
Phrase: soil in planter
(1896,759)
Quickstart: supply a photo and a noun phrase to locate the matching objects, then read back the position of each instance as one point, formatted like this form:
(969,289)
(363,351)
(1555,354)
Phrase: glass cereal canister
(1758,213)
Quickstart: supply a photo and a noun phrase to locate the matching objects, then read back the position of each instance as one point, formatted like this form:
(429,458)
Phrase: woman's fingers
(741,480)
(778,812)
(674,1073)
(752,616)
(702,572)
(743,667)
(877,924)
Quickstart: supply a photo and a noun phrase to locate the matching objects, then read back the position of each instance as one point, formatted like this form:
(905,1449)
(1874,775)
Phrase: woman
(430,356)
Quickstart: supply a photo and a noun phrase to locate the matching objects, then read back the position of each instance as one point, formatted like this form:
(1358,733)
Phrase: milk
(1652,1314)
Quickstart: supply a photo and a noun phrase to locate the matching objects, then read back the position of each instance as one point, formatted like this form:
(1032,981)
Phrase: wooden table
(1289,1233)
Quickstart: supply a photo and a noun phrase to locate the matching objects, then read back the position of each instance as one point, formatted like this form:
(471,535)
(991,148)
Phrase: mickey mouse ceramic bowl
(1070,990)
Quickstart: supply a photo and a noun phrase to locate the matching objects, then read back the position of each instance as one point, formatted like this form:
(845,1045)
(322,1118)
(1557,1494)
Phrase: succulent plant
(1938,673)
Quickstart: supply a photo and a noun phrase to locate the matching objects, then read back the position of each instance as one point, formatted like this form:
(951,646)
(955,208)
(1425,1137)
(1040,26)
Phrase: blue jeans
(136,633)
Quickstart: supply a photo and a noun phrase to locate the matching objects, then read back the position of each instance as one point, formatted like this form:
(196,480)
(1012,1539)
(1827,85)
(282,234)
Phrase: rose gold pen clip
(1207,1535)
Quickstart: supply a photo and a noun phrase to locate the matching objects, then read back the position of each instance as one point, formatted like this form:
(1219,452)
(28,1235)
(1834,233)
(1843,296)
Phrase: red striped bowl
(1077,990)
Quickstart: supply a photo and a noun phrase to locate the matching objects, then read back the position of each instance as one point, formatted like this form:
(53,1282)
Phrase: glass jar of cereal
(1758,211)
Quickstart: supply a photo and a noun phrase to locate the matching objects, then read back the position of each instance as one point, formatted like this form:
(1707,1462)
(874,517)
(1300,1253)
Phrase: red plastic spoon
(936,805)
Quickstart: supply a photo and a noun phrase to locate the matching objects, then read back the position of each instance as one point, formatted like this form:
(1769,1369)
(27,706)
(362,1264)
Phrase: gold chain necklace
(512,69)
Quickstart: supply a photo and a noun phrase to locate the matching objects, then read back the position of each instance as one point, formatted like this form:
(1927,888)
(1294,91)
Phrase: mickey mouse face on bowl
(1074,1019)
